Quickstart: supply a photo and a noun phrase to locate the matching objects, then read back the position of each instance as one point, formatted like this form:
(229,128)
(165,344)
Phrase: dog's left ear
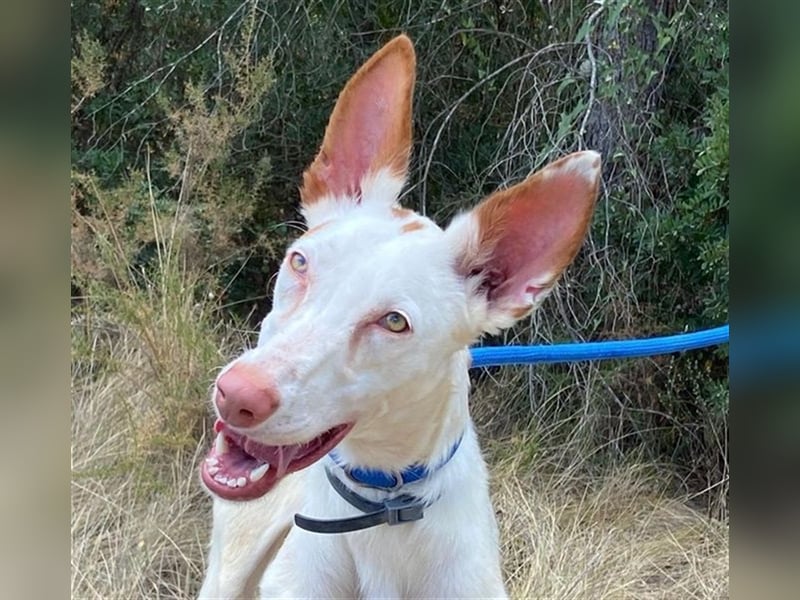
(368,134)
(512,248)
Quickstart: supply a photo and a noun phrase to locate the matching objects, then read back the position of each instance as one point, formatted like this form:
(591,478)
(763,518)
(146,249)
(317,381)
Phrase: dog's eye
(298,262)
(394,322)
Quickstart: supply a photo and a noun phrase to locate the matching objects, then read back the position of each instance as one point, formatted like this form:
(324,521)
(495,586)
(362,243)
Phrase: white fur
(407,394)
(245,538)
(586,163)
(331,363)
(379,190)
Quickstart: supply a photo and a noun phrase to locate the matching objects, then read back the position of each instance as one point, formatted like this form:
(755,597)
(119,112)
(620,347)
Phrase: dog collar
(384,480)
(396,510)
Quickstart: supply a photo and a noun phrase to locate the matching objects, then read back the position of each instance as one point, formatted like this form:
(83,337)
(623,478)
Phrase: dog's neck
(418,426)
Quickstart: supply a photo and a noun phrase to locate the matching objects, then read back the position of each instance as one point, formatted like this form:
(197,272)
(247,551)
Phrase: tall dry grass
(618,535)
(145,346)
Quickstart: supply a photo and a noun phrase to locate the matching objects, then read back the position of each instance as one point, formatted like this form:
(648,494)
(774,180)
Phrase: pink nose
(244,399)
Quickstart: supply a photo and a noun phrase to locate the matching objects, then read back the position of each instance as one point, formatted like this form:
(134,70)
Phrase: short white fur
(406,394)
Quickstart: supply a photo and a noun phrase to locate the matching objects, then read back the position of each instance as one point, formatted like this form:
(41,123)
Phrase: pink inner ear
(361,131)
(370,127)
(533,230)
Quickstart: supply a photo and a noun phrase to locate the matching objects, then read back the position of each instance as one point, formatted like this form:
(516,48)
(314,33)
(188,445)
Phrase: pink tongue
(278,457)
(285,456)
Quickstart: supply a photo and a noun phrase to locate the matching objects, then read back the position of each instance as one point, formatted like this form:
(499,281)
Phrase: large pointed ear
(368,139)
(512,248)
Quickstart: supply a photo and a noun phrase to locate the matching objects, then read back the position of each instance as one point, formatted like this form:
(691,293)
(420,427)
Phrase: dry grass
(140,522)
(137,520)
(617,536)
(145,347)
(137,511)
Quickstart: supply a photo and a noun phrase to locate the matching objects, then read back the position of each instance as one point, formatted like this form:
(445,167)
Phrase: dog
(345,463)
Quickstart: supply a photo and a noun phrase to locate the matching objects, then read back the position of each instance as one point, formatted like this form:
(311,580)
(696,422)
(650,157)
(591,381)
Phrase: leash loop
(394,513)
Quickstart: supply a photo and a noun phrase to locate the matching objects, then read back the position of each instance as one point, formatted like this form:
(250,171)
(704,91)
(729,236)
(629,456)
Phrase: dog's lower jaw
(240,468)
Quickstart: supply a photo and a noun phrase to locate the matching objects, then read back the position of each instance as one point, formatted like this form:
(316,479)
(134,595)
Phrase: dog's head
(374,302)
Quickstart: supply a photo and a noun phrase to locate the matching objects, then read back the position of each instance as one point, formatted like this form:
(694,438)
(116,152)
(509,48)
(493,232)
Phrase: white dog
(346,464)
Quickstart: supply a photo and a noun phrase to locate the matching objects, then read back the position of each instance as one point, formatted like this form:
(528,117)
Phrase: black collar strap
(394,511)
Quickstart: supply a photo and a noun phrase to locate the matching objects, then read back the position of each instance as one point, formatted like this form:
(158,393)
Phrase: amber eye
(298,262)
(394,322)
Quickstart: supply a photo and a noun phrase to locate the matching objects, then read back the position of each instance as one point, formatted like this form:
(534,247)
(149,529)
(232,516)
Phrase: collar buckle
(403,509)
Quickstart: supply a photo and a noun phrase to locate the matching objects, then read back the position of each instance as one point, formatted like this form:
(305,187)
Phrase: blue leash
(490,356)
(405,508)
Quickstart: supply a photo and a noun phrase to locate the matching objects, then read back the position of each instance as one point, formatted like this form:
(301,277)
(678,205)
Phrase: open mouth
(239,468)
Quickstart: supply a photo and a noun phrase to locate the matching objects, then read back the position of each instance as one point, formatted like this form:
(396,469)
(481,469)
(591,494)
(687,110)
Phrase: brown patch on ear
(520,312)
(529,233)
(370,127)
(412,226)
(399,212)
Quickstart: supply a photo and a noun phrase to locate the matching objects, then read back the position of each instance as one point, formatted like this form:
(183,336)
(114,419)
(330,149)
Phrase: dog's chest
(419,559)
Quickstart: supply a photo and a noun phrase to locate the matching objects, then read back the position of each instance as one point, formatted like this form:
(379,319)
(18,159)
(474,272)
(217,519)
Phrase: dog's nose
(243,400)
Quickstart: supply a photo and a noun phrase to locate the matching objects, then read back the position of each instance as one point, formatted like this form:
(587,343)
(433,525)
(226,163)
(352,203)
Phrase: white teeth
(259,472)
(213,470)
(233,482)
(212,461)
(221,444)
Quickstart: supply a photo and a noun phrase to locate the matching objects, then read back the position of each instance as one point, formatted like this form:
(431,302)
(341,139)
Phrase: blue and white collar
(390,481)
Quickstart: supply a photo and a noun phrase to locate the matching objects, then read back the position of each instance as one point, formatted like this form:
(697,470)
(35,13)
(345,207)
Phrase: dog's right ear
(512,248)
(368,139)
